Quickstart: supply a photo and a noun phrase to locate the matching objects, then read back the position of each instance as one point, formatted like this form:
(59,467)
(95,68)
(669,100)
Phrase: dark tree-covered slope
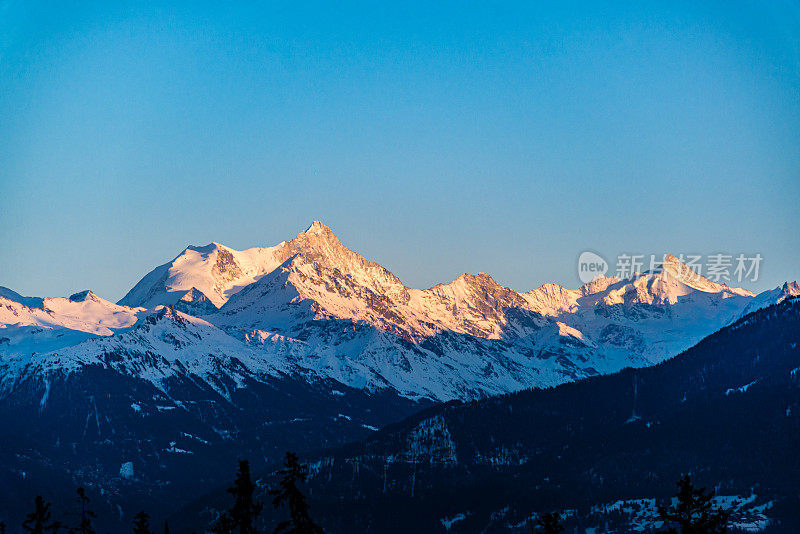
(726,410)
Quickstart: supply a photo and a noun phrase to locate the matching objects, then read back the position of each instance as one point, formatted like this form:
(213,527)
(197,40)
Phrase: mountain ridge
(319,243)
(338,315)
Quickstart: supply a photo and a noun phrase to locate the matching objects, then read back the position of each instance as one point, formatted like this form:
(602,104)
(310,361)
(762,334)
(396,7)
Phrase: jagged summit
(203,249)
(80,296)
(791,288)
(477,290)
(481,277)
(467,279)
(317,227)
(317,243)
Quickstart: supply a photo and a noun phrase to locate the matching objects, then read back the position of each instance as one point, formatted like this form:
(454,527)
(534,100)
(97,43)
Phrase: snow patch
(448,522)
(740,389)
(126,470)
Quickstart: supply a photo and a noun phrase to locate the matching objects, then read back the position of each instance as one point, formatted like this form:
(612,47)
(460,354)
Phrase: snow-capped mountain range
(311,307)
(223,354)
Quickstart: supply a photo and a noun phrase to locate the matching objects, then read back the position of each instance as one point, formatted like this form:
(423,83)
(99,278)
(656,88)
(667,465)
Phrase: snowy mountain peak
(195,302)
(317,228)
(598,284)
(81,296)
(318,240)
(168,313)
(193,295)
(476,280)
(204,249)
(772,296)
(330,259)
(791,289)
(679,270)
(214,270)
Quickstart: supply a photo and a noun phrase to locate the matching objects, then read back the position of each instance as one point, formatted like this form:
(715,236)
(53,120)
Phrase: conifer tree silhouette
(38,521)
(243,514)
(166,527)
(85,526)
(141,523)
(550,523)
(289,494)
(694,512)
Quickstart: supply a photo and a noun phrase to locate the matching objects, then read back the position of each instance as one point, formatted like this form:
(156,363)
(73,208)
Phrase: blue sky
(433,139)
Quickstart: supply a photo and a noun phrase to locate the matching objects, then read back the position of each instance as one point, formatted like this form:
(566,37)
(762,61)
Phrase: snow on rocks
(126,470)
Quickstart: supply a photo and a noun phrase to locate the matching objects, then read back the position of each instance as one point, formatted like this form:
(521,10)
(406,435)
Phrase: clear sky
(433,139)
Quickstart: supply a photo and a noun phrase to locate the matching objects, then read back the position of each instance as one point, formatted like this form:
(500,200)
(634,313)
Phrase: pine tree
(694,513)
(38,521)
(85,526)
(288,493)
(244,513)
(166,527)
(141,523)
(550,523)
